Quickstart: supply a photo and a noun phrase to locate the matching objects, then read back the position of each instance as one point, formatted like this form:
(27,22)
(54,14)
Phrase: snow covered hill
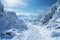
(8,21)
(28,18)
(47,27)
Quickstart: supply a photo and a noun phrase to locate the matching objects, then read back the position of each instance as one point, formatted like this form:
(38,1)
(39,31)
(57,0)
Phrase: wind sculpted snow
(12,28)
(9,20)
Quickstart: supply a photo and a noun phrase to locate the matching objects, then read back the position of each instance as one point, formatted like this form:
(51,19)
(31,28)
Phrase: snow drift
(45,27)
(9,20)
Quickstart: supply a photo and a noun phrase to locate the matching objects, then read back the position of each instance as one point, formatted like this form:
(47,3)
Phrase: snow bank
(9,20)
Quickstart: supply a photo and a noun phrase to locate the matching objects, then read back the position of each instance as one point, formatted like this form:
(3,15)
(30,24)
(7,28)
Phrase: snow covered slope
(9,20)
(50,31)
(11,28)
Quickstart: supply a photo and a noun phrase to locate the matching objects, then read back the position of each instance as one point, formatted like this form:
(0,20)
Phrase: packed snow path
(35,32)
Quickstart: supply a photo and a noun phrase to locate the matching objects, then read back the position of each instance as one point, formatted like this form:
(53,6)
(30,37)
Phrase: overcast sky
(28,6)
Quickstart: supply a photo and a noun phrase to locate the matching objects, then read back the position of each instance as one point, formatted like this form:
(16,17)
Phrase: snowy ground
(35,32)
(21,30)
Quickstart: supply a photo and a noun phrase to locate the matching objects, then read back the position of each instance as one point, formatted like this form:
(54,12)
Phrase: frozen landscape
(41,27)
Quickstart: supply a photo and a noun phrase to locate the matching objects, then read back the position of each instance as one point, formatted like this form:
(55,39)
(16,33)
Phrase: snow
(35,32)
(1,6)
(58,9)
(9,20)
(55,34)
(58,20)
(12,28)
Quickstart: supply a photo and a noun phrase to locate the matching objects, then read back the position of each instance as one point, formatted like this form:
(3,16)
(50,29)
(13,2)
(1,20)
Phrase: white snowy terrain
(9,23)
(45,27)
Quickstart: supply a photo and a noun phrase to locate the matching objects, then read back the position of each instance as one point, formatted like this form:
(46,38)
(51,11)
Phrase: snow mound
(9,20)
(58,20)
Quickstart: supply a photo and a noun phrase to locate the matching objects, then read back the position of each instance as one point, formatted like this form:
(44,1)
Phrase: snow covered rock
(58,1)
(9,20)
(58,20)
(58,9)
(1,6)
(55,34)
(50,14)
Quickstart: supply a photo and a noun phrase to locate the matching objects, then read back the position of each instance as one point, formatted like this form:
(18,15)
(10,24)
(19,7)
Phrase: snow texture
(9,20)
(45,27)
